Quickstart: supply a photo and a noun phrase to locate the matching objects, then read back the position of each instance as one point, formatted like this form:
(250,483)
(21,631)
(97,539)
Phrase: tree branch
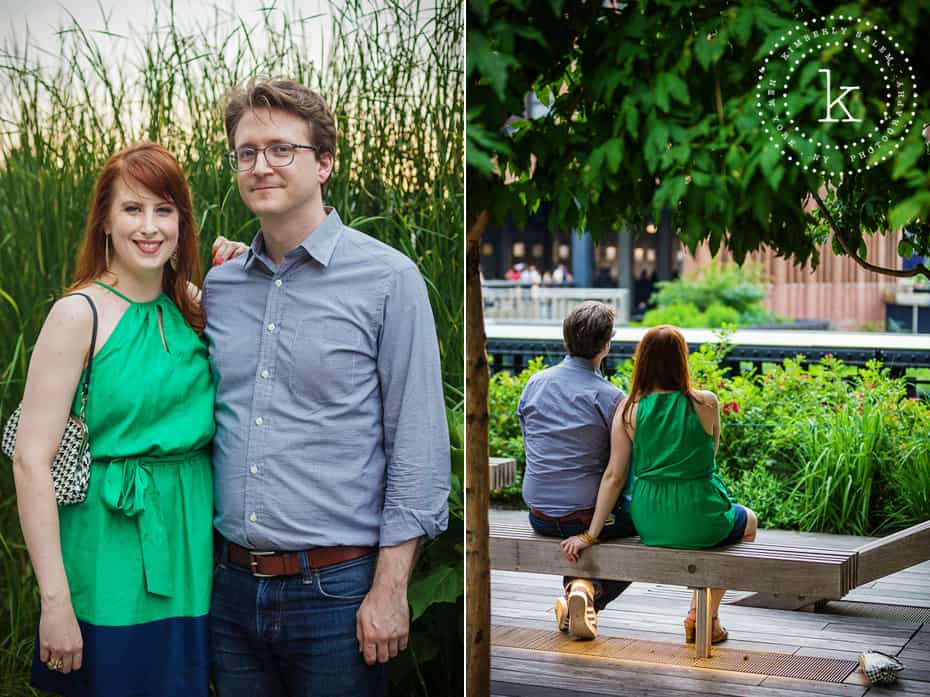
(897,273)
(477,227)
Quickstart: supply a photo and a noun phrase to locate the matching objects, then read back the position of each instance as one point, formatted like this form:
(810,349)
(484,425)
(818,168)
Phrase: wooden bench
(815,573)
(503,471)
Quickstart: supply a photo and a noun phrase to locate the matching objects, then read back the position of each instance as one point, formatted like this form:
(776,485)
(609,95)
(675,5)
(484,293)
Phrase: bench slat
(523,531)
(894,552)
(748,567)
(751,549)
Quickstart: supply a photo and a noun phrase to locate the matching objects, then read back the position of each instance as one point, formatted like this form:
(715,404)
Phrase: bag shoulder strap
(85,387)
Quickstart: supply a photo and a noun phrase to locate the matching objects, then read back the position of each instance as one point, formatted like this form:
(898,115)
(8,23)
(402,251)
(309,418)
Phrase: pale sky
(45,17)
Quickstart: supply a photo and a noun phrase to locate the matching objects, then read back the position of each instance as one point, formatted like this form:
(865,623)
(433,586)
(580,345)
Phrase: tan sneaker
(561,613)
(582,619)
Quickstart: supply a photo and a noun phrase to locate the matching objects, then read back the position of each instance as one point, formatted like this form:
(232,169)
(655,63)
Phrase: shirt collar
(319,243)
(585,363)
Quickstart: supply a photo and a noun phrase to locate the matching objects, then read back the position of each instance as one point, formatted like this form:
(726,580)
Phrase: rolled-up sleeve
(416,436)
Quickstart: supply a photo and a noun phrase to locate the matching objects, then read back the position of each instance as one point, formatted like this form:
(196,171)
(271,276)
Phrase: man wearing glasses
(331,452)
(566,413)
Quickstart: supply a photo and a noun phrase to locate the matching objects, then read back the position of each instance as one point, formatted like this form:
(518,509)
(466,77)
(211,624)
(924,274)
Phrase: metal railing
(518,302)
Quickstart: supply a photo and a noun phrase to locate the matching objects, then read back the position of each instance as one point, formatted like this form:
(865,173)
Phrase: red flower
(828,355)
(730,407)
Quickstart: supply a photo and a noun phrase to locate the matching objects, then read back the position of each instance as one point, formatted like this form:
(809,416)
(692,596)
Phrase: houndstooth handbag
(880,668)
(71,466)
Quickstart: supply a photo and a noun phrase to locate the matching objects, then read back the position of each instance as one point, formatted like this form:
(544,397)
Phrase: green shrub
(504,436)
(711,297)
(719,314)
(678,314)
(739,287)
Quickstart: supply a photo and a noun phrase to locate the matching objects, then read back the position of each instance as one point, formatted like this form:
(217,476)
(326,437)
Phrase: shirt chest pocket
(327,361)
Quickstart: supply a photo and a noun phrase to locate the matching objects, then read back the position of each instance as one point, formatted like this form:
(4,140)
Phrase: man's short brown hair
(587,328)
(286,95)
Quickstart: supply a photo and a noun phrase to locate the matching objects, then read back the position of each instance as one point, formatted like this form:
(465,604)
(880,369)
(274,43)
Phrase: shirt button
(259,421)
(264,373)
(253,469)
(277,282)
(271,327)
(253,517)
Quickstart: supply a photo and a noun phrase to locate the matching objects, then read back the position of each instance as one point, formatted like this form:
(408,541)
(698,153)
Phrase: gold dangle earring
(106,250)
(174,257)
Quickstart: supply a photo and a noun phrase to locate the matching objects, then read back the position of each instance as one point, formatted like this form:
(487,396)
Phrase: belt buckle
(253,563)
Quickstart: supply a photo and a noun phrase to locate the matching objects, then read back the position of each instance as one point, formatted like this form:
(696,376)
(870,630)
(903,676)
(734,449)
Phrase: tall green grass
(393,77)
(839,467)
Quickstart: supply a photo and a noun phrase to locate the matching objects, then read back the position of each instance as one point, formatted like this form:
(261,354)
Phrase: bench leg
(703,624)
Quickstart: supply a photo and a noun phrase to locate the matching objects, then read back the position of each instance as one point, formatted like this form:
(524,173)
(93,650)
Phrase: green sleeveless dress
(138,552)
(679,499)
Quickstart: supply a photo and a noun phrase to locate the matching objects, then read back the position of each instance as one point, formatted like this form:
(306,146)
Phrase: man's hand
(224,250)
(382,624)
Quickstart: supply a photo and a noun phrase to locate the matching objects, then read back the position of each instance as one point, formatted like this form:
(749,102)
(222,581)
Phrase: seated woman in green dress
(671,432)
(124,576)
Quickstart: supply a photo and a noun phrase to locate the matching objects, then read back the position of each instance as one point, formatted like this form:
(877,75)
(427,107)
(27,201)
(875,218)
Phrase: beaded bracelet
(588,538)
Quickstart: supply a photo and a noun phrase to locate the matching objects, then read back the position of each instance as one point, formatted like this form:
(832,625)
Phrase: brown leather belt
(584,516)
(265,564)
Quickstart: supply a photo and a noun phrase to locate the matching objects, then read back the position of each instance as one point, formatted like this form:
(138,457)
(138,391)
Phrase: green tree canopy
(656,105)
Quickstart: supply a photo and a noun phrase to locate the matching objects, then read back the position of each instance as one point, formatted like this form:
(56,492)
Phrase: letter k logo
(838,101)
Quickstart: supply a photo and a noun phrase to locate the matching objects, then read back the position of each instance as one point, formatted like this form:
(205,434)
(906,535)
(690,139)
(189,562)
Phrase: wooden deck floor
(654,612)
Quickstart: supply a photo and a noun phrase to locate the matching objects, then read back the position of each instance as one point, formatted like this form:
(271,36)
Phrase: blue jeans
(291,636)
(622,526)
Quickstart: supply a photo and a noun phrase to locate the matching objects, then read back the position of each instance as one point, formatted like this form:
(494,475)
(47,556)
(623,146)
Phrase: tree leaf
(655,145)
(441,585)
(709,50)
(614,148)
(632,121)
(907,158)
(670,85)
(702,179)
(906,211)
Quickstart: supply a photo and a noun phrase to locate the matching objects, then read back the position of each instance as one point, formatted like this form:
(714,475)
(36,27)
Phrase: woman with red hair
(671,432)
(124,576)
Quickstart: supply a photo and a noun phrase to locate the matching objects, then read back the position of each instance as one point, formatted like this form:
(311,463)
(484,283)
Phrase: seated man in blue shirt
(565,413)
(331,453)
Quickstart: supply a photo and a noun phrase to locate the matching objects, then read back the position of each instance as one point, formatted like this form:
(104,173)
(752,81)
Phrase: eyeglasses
(276,155)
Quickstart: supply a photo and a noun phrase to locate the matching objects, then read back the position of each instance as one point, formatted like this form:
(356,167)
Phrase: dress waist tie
(128,487)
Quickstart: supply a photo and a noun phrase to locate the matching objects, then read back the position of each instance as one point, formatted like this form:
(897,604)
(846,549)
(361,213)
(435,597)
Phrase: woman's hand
(224,250)
(572,548)
(60,643)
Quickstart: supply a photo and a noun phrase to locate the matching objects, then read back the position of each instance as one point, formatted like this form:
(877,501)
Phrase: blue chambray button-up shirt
(565,414)
(330,417)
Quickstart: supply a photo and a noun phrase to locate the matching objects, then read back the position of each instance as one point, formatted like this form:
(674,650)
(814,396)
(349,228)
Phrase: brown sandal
(561,613)
(718,632)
